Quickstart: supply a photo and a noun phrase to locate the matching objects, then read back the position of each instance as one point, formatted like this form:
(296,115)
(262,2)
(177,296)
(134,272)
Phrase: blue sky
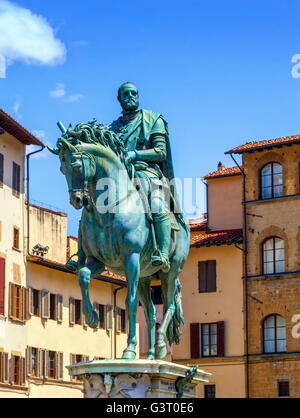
(220,73)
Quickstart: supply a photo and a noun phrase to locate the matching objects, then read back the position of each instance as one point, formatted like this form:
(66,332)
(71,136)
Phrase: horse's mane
(93,133)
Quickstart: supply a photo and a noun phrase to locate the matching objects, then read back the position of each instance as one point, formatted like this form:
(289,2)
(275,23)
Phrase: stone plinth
(136,379)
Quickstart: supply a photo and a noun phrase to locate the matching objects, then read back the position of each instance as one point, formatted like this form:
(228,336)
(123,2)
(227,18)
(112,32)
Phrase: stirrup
(160,261)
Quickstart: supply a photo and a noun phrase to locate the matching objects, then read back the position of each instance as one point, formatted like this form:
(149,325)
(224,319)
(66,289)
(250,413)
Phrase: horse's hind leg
(92,269)
(144,292)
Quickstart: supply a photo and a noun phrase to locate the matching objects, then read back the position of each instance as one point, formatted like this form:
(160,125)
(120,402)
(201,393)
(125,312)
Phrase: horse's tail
(174,328)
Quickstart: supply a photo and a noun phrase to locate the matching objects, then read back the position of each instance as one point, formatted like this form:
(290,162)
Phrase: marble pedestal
(135,379)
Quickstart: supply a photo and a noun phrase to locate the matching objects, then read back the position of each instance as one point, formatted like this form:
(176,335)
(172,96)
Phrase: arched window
(271,181)
(273,256)
(274,334)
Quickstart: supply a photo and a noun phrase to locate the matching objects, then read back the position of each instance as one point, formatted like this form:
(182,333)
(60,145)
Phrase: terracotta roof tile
(261,145)
(208,239)
(15,129)
(227,172)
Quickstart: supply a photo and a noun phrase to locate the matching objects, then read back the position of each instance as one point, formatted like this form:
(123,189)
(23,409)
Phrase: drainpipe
(115,291)
(28,195)
(245,284)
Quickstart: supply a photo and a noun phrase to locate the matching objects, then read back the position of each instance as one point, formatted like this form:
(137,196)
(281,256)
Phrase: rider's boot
(162,225)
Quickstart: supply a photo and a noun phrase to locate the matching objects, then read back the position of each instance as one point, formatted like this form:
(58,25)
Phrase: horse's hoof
(129,355)
(161,352)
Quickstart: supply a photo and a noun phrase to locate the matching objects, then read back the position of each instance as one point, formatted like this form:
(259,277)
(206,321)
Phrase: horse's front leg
(132,271)
(92,269)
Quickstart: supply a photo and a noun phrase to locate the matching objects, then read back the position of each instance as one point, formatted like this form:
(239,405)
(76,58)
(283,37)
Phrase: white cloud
(73,98)
(16,108)
(58,92)
(26,37)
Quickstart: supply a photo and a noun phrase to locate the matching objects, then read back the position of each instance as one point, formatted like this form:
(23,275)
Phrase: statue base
(138,379)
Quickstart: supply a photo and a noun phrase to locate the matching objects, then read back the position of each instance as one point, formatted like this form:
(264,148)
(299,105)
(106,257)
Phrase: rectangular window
(283,389)
(209,391)
(4,371)
(35,302)
(16,238)
(123,321)
(101,316)
(52,364)
(16,179)
(78,312)
(209,335)
(1,169)
(207,276)
(2,286)
(53,307)
(34,362)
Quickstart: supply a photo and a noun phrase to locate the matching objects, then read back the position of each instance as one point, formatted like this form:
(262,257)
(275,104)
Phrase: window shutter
(118,320)
(23,304)
(46,363)
(40,360)
(29,303)
(11,307)
(16,177)
(45,304)
(109,317)
(211,276)
(1,168)
(2,286)
(72,311)
(202,276)
(60,305)
(195,341)
(12,370)
(23,371)
(83,317)
(221,339)
(28,361)
(5,367)
(60,366)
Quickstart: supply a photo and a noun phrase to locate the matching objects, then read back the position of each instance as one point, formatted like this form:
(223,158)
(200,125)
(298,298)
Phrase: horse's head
(77,166)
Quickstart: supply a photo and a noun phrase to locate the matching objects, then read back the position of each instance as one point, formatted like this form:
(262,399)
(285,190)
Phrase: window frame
(283,382)
(16,179)
(274,261)
(210,325)
(16,238)
(262,188)
(207,389)
(276,340)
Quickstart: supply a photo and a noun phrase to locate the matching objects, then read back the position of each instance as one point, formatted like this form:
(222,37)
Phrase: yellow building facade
(42,329)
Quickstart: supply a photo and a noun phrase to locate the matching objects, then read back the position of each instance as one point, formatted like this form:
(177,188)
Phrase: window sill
(275,275)
(272,199)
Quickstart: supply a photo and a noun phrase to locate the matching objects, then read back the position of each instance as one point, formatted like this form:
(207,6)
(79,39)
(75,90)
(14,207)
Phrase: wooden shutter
(202,276)
(23,304)
(46,363)
(4,367)
(72,311)
(45,304)
(1,169)
(109,317)
(195,341)
(2,286)
(60,305)
(16,178)
(12,370)
(211,276)
(40,363)
(60,366)
(221,339)
(28,361)
(11,305)
(23,376)
(118,319)
(29,303)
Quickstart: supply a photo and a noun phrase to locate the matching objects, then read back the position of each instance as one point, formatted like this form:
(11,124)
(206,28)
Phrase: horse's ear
(53,151)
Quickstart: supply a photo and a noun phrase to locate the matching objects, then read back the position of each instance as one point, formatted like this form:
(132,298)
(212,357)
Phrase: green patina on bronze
(126,240)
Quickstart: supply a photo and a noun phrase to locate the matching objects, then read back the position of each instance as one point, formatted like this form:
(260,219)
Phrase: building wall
(279,293)
(224,212)
(12,334)
(224,305)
